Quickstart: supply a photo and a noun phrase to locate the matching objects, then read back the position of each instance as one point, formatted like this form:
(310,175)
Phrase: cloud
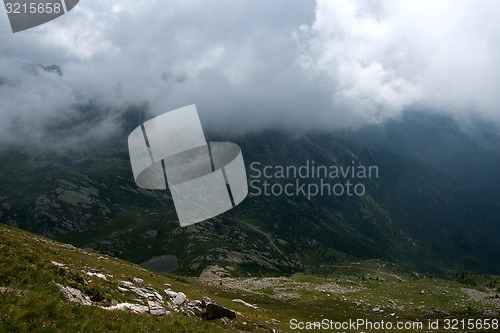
(381,57)
(251,64)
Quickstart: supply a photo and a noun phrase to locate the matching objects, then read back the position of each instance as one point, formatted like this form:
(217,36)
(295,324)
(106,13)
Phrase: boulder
(129,307)
(179,299)
(215,311)
(74,295)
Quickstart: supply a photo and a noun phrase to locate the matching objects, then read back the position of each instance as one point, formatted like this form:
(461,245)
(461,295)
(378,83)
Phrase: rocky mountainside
(468,151)
(47,286)
(412,214)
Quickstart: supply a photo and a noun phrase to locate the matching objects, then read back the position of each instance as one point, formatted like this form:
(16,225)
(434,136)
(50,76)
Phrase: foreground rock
(152,297)
(129,307)
(153,308)
(206,308)
(156,309)
(214,311)
(74,295)
(179,299)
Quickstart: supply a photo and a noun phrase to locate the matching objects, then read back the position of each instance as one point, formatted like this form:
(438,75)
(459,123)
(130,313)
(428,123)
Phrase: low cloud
(251,64)
(382,57)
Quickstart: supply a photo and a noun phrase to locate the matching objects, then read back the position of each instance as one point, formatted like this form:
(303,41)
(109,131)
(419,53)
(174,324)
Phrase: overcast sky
(255,63)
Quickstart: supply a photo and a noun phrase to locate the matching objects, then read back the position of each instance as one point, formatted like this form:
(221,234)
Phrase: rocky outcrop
(179,299)
(156,309)
(74,295)
(153,308)
(97,274)
(206,307)
(152,299)
(153,303)
(129,307)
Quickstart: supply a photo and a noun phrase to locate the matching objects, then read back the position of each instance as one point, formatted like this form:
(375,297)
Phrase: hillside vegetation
(32,269)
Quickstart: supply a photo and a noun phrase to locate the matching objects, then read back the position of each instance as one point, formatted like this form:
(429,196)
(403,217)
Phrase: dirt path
(268,236)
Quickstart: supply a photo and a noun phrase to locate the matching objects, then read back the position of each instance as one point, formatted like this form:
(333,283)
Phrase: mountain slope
(468,152)
(412,214)
(32,267)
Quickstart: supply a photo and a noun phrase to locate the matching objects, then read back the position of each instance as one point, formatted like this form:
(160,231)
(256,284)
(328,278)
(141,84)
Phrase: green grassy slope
(412,214)
(372,290)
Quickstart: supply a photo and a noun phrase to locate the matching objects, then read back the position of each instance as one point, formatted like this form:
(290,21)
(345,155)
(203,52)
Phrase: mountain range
(432,207)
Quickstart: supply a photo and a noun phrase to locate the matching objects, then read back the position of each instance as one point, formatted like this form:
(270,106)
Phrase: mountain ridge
(414,214)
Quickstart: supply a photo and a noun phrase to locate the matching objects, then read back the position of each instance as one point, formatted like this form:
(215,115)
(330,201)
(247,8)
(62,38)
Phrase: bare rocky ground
(486,298)
(282,288)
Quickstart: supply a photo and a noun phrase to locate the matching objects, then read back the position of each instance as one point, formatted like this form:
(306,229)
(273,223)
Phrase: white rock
(179,299)
(98,275)
(196,310)
(156,309)
(253,306)
(144,293)
(58,264)
(74,295)
(158,296)
(137,280)
(195,303)
(126,284)
(130,307)
(206,300)
(170,293)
